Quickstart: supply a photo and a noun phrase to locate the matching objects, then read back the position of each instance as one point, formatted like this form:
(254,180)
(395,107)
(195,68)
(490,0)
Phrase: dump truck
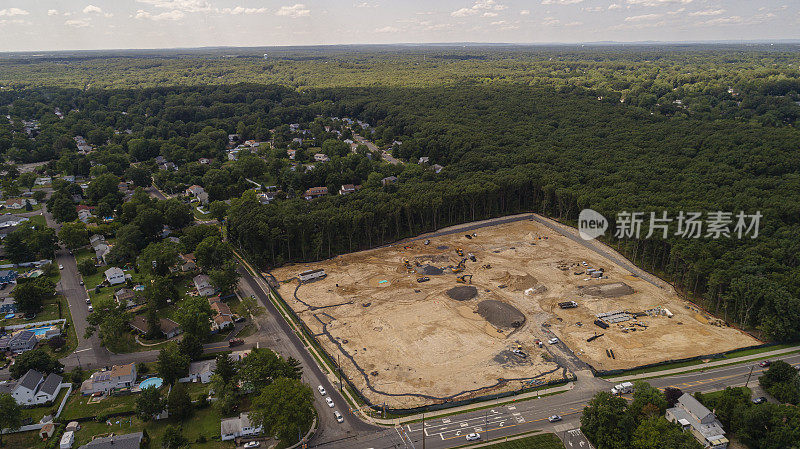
(624,387)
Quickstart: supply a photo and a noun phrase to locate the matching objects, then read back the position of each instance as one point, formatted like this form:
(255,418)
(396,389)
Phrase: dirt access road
(409,343)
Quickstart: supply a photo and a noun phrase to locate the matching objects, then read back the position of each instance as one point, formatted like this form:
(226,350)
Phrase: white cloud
(92,9)
(294,11)
(180,5)
(387,29)
(722,21)
(657,2)
(548,21)
(560,2)
(573,24)
(478,7)
(594,9)
(642,17)
(524,12)
(52,12)
(169,15)
(707,12)
(490,14)
(10,12)
(242,10)
(499,22)
(77,23)
(365,5)
(614,6)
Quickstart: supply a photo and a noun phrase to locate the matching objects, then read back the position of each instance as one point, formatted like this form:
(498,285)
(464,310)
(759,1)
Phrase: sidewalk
(683,369)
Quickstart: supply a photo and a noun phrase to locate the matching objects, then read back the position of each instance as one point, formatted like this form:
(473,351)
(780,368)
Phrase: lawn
(543,441)
(78,406)
(36,413)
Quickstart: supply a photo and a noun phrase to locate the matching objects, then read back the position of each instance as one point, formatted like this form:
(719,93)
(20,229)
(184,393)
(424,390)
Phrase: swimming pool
(40,331)
(151,382)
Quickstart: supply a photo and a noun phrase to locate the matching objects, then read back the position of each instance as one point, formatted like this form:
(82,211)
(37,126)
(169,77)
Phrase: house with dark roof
(22,341)
(126,441)
(240,426)
(119,376)
(315,192)
(203,285)
(34,389)
(200,371)
(168,327)
(125,297)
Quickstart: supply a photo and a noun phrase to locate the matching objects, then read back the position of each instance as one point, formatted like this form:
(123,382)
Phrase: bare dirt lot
(409,343)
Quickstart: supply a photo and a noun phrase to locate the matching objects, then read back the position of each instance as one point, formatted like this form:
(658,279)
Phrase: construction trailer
(568,304)
(624,387)
(310,275)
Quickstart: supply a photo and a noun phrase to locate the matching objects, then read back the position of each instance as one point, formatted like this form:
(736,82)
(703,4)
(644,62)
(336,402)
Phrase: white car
(338,416)
(554,418)
(553,340)
(88,301)
(91,309)
(252,444)
(321,390)
(61,267)
(329,401)
(473,437)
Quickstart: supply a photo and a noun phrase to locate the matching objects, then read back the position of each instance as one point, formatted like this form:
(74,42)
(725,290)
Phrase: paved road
(374,148)
(278,336)
(524,416)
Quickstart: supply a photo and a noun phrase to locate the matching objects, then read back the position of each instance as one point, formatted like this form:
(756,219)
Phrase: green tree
(172,364)
(225,369)
(658,433)
(218,209)
(10,414)
(149,403)
(62,208)
(113,320)
(86,267)
(193,235)
(191,346)
(161,291)
(30,295)
(212,253)
(173,438)
(36,359)
(782,381)
(194,315)
(262,366)
(177,215)
(285,408)
(73,235)
(157,258)
(27,180)
(606,422)
(648,401)
(104,185)
(179,404)
(139,176)
(225,278)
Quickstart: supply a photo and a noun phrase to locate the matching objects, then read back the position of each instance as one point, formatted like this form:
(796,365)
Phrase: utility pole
(423,431)
(486,422)
(748,376)
(339,372)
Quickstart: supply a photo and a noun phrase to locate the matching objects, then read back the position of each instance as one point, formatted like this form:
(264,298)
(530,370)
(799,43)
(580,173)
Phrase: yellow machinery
(460,252)
(460,267)
(463,279)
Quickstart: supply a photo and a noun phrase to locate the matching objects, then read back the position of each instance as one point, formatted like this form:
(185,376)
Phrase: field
(410,343)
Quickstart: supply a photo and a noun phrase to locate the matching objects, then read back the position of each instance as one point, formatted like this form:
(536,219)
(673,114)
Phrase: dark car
(235,342)
(423,279)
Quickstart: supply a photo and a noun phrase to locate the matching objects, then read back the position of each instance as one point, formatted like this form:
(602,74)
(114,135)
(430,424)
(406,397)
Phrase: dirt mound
(500,314)
(612,290)
(462,292)
(429,270)
(517,282)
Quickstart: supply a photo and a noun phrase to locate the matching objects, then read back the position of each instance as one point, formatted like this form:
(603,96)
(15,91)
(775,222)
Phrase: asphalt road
(374,148)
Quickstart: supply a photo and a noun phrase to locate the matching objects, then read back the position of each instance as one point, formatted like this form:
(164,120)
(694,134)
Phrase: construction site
(468,311)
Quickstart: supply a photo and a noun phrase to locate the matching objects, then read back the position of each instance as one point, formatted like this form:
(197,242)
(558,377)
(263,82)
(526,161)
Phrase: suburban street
(374,148)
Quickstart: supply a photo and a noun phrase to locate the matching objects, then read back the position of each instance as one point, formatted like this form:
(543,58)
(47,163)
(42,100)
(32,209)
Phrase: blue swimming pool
(40,331)
(151,382)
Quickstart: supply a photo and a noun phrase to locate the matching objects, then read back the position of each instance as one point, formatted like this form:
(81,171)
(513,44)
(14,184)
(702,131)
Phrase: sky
(39,25)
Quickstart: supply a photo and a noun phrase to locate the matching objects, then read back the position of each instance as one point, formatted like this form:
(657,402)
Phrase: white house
(67,440)
(119,376)
(321,157)
(200,371)
(34,389)
(238,427)
(115,275)
(700,421)
(203,285)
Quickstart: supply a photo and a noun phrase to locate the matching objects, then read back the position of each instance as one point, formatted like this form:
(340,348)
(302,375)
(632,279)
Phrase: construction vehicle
(624,387)
(460,252)
(463,279)
(423,279)
(472,257)
(427,242)
(460,267)
(487,266)
(409,268)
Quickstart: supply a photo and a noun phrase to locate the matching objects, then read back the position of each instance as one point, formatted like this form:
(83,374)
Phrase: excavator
(463,279)
(409,268)
(460,267)
(460,252)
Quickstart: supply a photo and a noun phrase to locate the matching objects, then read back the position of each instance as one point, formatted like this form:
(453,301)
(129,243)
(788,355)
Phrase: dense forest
(549,130)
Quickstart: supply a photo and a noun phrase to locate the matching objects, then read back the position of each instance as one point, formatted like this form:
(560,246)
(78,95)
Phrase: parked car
(553,340)
(81,281)
(239,319)
(91,309)
(251,444)
(765,363)
(554,418)
(519,353)
(329,401)
(338,416)
(88,301)
(235,342)
(473,437)
(60,267)
(321,390)
(759,400)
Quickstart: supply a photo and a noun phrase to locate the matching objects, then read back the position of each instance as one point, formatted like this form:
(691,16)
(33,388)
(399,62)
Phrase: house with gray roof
(694,417)
(34,389)
(203,285)
(126,441)
(240,426)
(22,341)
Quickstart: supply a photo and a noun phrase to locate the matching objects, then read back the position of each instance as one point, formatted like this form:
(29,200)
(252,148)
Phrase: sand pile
(500,314)
(612,290)
(518,282)
(462,292)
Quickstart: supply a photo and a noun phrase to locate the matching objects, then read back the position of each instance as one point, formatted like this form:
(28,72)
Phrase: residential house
(7,276)
(33,388)
(47,430)
(232,428)
(115,275)
(200,371)
(43,181)
(167,166)
(186,263)
(22,341)
(291,153)
(198,192)
(84,213)
(123,187)
(700,421)
(233,138)
(19,203)
(125,297)
(388,180)
(223,317)
(7,305)
(315,192)
(168,327)
(67,440)
(119,376)
(203,285)
(233,155)
(348,188)
(321,157)
(436,168)
(126,441)
(424,160)
(8,220)
(266,197)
